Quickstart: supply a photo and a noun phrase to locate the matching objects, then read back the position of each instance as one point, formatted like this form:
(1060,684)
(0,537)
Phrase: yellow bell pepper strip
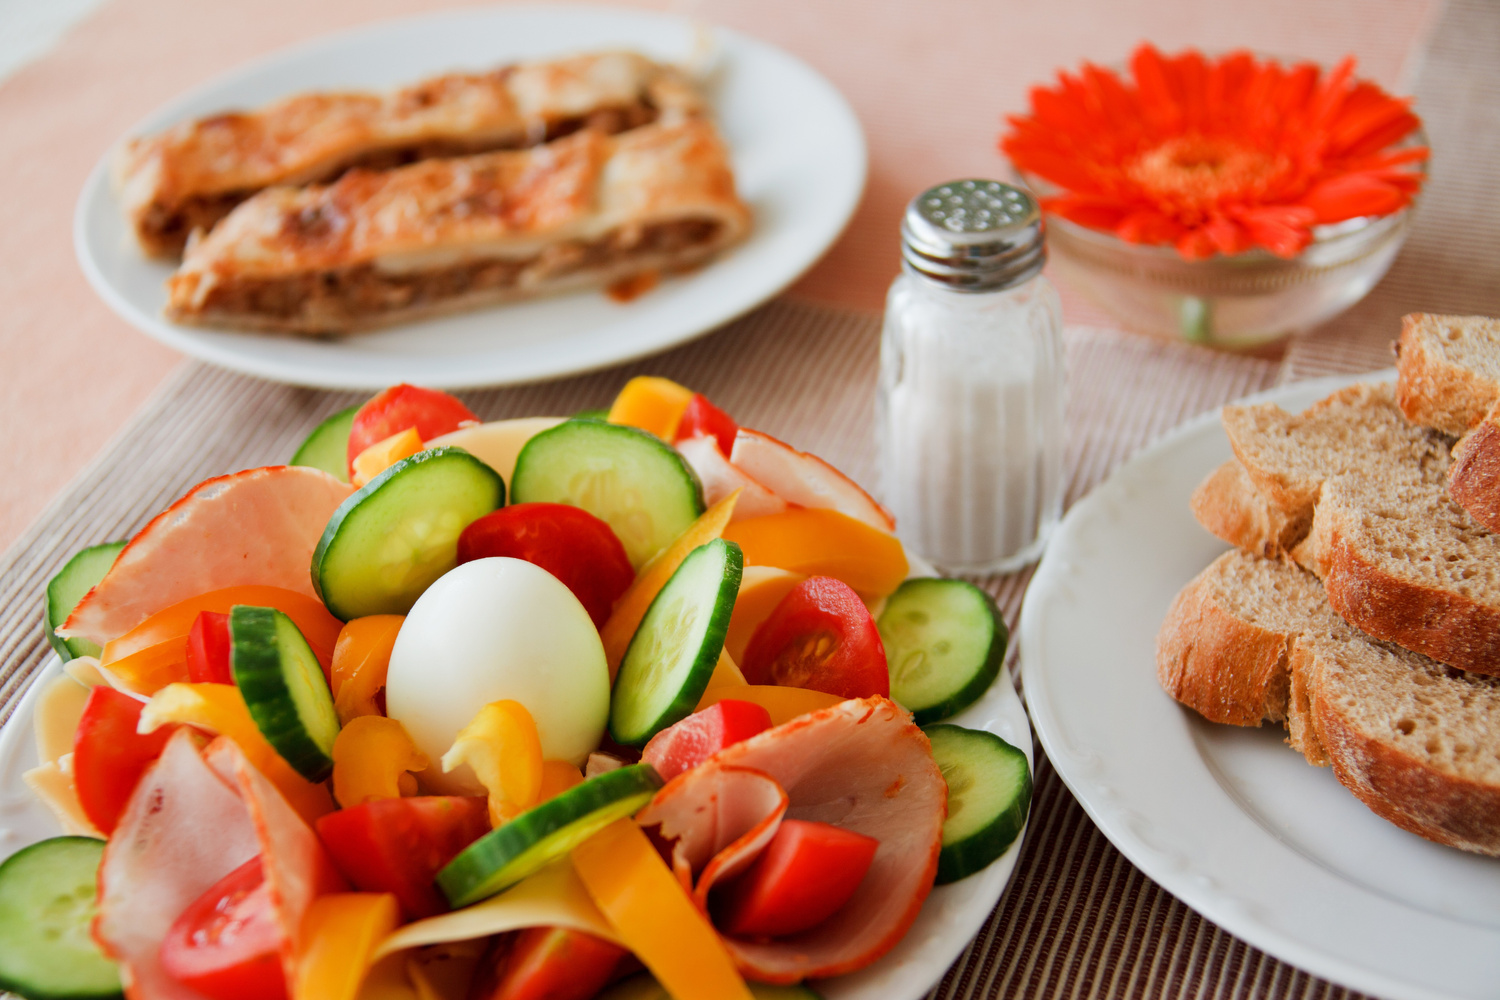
(339,935)
(654,917)
(631,607)
(361,657)
(784,703)
(557,777)
(761,589)
(371,758)
(154,653)
(823,543)
(383,454)
(502,747)
(218,708)
(651,403)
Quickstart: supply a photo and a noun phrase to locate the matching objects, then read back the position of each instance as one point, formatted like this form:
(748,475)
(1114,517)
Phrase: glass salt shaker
(969,410)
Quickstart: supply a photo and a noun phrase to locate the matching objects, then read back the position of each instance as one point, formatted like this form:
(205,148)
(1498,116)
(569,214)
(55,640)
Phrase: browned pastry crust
(440,235)
(194,174)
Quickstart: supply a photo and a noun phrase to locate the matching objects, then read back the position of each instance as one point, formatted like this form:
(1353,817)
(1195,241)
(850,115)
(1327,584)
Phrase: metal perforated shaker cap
(974,236)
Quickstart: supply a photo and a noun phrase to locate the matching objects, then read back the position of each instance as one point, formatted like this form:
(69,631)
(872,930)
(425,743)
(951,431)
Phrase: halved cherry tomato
(820,636)
(109,756)
(208,649)
(805,873)
(688,743)
(398,845)
(227,944)
(432,413)
(547,963)
(570,543)
(703,417)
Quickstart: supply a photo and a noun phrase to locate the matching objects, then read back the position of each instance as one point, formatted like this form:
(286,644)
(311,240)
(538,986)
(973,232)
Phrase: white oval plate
(1230,820)
(799,161)
(949,919)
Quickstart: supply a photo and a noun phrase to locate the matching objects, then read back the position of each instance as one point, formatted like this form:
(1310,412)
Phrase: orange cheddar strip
(823,543)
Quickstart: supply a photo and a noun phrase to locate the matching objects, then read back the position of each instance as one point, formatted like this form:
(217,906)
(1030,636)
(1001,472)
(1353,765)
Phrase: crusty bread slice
(1228,504)
(1417,742)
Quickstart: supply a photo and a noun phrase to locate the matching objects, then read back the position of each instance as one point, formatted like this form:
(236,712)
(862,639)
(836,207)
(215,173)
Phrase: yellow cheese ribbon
(653,916)
(371,760)
(219,709)
(783,703)
(503,749)
(340,933)
(56,716)
(361,659)
(631,607)
(383,454)
(823,543)
(651,403)
(761,589)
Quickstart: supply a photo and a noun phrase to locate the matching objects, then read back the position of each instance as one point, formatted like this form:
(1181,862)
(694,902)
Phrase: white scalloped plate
(1230,820)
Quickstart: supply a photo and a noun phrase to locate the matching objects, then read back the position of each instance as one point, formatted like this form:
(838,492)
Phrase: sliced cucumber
(504,856)
(645,987)
(944,641)
(389,541)
(282,683)
(81,574)
(989,795)
(596,414)
(629,479)
(674,651)
(48,894)
(327,447)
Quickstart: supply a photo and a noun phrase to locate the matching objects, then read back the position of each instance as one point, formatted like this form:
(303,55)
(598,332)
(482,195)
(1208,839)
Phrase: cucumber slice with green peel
(327,447)
(532,840)
(631,480)
(79,576)
(645,987)
(989,795)
(48,895)
(389,541)
(596,414)
(672,655)
(282,683)
(944,642)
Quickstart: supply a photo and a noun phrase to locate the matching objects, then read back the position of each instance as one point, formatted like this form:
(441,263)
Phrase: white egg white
(492,629)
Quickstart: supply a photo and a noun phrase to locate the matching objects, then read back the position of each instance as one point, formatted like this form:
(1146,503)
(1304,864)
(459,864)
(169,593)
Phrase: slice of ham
(183,830)
(804,480)
(259,526)
(722,477)
(861,765)
(720,827)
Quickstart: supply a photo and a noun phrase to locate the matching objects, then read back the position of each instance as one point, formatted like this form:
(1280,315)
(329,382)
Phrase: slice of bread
(1228,504)
(1415,741)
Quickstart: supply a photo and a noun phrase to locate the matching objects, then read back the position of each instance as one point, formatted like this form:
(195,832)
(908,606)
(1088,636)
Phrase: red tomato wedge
(803,876)
(431,412)
(548,963)
(703,417)
(208,649)
(805,480)
(109,756)
(688,743)
(820,636)
(227,943)
(570,543)
(257,527)
(398,845)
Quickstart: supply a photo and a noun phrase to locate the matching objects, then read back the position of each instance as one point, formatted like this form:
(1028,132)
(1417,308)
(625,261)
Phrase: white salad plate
(799,162)
(948,921)
(1230,820)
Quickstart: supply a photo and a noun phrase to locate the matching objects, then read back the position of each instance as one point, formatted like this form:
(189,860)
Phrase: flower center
(1200,170)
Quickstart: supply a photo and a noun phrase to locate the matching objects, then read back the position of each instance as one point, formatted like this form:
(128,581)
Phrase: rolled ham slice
(804,480)
(259,526)
(721,477)
(720,828)
(861,765)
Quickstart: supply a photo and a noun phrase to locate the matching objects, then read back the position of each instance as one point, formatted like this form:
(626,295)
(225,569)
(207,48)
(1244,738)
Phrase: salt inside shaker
(969,410)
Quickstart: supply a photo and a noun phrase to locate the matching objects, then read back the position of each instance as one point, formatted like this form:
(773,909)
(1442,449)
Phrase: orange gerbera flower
(1217,155)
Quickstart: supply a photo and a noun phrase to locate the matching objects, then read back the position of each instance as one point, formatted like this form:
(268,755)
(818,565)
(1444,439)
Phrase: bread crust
(1474,476)
(1431,390)
(1228,504)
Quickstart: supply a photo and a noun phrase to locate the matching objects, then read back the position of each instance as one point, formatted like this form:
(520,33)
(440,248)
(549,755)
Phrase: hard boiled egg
(491,629)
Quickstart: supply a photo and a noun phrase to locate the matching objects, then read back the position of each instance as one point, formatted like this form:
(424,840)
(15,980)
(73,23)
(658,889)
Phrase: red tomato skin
(398,845)
(803,876)
(549,963)
(686,744)
(573,545)
(703,417)
(820,636)
(227,943)
(208,649)
(109,756)
(393,410)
